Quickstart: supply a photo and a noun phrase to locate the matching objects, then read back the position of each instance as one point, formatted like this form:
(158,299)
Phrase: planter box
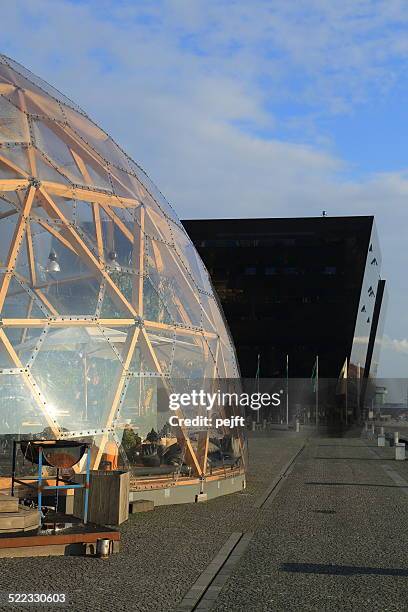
(108,497)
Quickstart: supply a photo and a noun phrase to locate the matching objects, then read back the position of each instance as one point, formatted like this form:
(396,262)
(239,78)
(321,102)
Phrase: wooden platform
(74,539)
(15,518)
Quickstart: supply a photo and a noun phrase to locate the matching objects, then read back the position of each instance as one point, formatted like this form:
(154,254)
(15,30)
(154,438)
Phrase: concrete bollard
(382,430)
(400,451)
(297,426)
(381,440)
(372,428)
(264,423)
(253,425)
(366,427)
(396,437)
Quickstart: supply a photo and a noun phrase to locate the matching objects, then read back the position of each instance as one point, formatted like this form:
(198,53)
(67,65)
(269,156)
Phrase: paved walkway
(335,538)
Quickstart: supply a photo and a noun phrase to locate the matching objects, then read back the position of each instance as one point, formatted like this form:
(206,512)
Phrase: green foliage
(130,442)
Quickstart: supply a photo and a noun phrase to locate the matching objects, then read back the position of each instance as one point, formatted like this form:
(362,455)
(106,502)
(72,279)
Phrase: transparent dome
(104,301)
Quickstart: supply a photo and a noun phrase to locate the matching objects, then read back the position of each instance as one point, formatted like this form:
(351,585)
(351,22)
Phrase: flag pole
(317,390)
(346,373)
(257,386)
(358,391)
(287,389)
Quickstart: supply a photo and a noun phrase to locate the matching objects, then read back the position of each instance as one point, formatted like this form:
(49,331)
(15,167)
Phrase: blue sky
(268,107)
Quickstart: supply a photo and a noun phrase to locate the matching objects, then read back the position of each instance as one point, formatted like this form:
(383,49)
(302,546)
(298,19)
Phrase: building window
(250,271)
(270,270)
(330,270)
(291,270)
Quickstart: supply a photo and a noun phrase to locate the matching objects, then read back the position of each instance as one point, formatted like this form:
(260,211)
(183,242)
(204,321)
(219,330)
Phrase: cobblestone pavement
(163,552)
(335,538)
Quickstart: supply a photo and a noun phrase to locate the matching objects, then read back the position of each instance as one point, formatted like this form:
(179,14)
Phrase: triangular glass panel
(83,219)
(109,305)
(164,343)
(20,414)
(48,246)
(41,210)
(213,320)
(192,360)
(46,169)
(56,151)
(22,266)
(157,227)
(118,248)
(143,360)
(5,74)
(150,195)
(19,304)
(173,284)
(156,307)
(26,342)
(190,258)
(13,123)
(75,297)
(138,413)
(78,372)
(6,361)
(38,104)
(8,227)
(14,162)
(98,175)
(123,184)
(228,361)
(8,206)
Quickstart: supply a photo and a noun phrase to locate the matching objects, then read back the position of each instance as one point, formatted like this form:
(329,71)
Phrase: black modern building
(297,287)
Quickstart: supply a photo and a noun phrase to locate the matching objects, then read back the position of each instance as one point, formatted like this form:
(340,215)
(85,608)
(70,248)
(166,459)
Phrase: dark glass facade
(300,287)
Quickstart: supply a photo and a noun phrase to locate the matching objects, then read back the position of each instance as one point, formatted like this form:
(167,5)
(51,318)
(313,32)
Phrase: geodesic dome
(101,289)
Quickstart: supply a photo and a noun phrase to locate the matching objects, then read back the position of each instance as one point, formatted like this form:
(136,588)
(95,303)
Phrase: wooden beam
(180,330)
(30,255)
(13,184)
(202,449)
(98,230)
(6,88)
(81,166)
(88,195)
(15,244)
(67,322)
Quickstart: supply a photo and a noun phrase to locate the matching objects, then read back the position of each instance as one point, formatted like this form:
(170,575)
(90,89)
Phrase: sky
(237,108)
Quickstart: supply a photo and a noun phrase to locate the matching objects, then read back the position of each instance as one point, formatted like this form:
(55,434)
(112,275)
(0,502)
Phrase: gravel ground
(335,538)
(163,552)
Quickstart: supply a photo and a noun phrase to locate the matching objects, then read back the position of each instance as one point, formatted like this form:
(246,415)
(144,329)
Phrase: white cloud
(186,87)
